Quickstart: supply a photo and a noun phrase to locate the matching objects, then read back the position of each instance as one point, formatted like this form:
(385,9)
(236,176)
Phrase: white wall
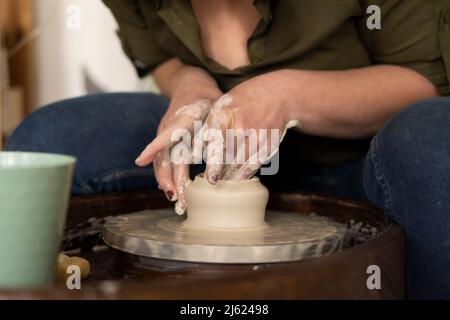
(62,51)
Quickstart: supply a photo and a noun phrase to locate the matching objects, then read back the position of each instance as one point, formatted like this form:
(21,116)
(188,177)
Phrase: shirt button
(447,17)
(139,64)
(257,57)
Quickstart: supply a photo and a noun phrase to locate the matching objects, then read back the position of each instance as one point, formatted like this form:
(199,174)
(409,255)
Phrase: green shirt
(298,34)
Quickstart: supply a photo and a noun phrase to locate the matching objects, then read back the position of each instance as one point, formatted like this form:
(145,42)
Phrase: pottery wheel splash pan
(160,234)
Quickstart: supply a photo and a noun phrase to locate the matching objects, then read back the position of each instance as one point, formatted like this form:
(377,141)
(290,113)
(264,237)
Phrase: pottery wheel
(160,234)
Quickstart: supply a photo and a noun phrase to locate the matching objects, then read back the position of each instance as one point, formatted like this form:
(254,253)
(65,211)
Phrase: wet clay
(226,206)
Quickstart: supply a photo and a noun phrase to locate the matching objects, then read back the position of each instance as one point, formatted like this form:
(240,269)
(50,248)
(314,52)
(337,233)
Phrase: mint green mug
(34,195)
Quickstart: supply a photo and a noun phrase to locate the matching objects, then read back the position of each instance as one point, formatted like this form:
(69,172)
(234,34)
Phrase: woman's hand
(191,101)
(255,117)
(347,104)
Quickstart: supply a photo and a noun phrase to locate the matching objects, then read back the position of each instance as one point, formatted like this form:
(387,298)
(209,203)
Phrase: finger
(239,157)
(181,158)
(246,170)
(199,144)
(218,121)
(164,175)
(232,165)
(249,160)
(168,137)
(230,170)
(181,178)
(197,110)
(215,150)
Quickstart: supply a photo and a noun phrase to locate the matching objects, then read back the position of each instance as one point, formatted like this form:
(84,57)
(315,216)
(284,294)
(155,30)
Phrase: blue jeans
(406,171)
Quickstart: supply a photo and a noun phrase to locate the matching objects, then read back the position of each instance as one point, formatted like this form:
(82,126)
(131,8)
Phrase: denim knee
(105,132)
(409,153)
(39,131)
(62,127)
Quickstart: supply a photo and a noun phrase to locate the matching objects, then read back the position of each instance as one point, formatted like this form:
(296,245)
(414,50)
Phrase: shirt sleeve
(136,34)
(414,34)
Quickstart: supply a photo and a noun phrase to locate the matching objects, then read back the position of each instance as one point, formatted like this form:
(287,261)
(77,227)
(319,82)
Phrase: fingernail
(212,179)
(142,153)
(180,209)
(169,195)
(138,159)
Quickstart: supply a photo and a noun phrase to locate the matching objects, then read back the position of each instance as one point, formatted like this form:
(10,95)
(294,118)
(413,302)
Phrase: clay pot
(228,205)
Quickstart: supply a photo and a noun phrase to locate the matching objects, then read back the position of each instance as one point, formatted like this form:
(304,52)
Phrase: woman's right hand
(193,94)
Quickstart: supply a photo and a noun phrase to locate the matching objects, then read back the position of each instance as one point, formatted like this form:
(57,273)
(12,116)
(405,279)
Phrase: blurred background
(58,49)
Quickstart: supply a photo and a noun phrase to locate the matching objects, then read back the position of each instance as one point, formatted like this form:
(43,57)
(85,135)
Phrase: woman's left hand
(245,127)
